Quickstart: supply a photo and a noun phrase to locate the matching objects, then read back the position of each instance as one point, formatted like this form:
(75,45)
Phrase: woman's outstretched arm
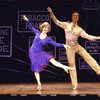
(30,26)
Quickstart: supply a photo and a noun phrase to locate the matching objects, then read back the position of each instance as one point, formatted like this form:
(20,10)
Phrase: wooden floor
(51,88)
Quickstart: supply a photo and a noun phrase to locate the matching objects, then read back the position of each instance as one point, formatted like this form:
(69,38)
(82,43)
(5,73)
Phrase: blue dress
(39,58)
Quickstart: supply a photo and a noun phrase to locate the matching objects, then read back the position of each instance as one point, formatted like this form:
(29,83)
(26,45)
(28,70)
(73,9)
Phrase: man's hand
(49,10)
(98,38)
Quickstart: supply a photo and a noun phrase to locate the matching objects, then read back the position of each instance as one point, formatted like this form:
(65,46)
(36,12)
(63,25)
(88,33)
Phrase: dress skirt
(39,60)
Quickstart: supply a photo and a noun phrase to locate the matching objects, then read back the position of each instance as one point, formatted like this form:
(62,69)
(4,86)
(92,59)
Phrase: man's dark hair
(75,12)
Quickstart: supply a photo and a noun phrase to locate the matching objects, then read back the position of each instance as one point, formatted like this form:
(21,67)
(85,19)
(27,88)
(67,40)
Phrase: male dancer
(72,32)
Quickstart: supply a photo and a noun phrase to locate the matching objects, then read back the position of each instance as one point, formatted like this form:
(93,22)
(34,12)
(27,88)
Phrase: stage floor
(51,88)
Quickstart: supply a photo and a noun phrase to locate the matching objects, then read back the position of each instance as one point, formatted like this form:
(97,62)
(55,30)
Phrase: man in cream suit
(72,32)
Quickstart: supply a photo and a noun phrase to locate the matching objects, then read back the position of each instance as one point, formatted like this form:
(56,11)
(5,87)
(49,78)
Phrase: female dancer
(39,59)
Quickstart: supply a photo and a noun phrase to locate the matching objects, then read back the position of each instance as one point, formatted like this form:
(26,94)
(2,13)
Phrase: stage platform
(50,88)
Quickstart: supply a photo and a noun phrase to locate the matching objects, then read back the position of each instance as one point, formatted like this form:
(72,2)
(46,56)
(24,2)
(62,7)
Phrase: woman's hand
(66,46)
(25,18)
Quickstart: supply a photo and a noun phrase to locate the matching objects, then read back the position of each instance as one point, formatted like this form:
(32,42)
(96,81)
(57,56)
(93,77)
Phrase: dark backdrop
(16,68)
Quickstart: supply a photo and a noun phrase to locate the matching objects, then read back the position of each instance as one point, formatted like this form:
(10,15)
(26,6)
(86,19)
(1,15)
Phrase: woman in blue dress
(39,58)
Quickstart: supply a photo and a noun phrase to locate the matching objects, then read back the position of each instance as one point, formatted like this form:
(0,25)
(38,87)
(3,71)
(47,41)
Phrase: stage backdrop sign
(5,41)
(35,17)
